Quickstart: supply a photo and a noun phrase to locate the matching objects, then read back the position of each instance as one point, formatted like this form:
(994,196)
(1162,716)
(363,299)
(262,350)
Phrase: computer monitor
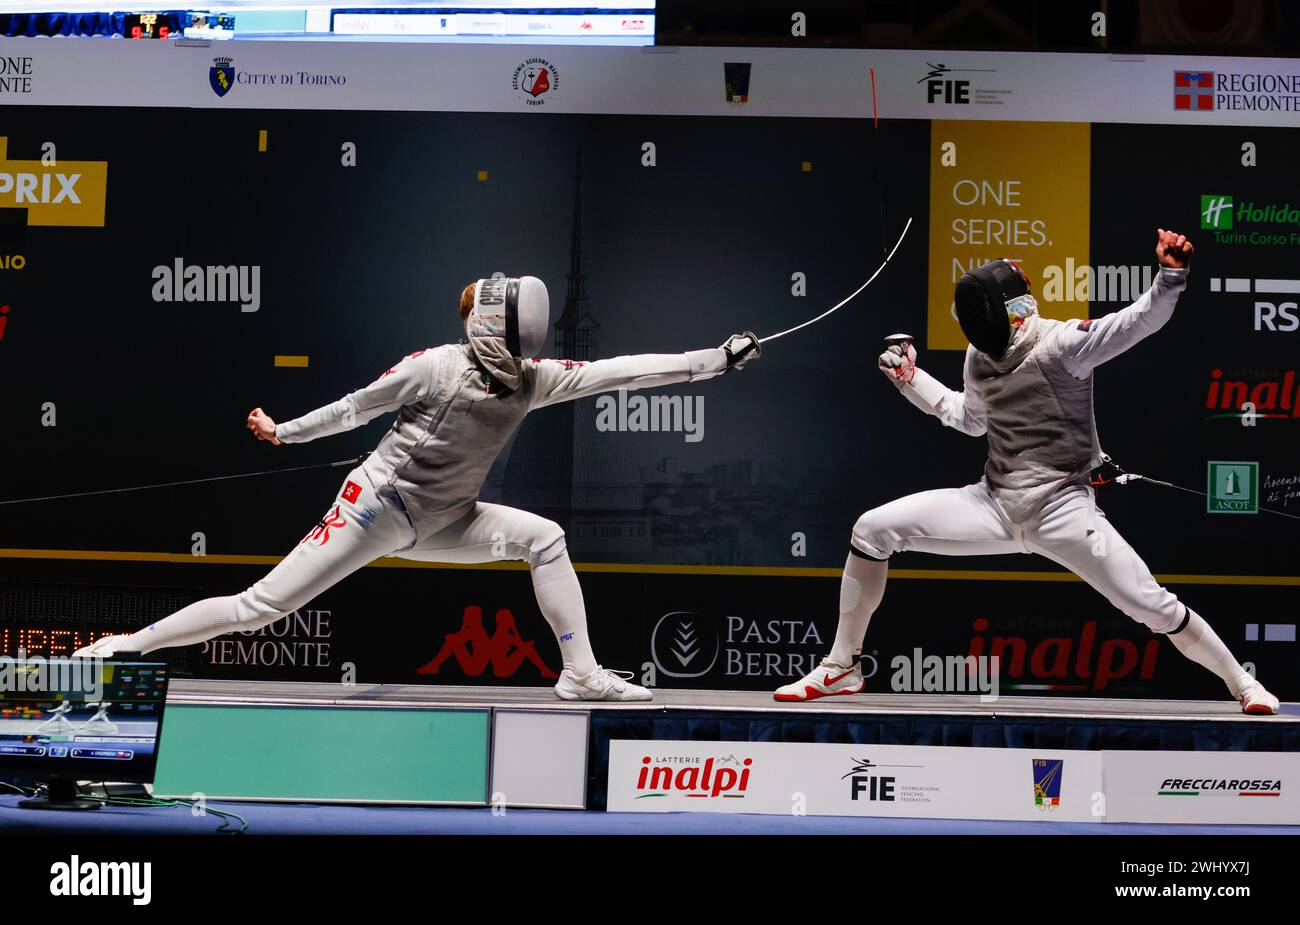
(69,720)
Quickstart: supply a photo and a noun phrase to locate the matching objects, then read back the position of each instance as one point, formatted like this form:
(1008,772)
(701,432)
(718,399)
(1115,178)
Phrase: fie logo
(1216,212)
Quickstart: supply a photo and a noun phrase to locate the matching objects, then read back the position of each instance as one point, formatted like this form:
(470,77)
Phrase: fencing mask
(508,322)
(989,300)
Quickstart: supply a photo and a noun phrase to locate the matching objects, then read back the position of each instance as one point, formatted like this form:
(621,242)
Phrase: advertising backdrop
(275,226)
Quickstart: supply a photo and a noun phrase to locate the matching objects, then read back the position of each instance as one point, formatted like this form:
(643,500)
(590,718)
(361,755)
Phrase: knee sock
(1198,641)
(198,622)
(560,598)
(861,589)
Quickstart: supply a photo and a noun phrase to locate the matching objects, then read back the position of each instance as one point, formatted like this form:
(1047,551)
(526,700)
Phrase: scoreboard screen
(150,26)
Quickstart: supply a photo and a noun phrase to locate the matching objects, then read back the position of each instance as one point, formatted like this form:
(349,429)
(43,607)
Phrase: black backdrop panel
(360,265)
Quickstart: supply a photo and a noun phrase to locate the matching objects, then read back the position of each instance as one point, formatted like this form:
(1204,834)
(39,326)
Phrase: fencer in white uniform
(1028,386)
(416,495)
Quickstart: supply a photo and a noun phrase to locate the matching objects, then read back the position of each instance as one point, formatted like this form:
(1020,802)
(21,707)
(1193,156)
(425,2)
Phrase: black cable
(1126,477)
(215,478)
(166,804)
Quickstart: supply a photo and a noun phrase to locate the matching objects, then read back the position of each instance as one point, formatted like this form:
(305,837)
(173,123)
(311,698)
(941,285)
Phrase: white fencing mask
(507,323)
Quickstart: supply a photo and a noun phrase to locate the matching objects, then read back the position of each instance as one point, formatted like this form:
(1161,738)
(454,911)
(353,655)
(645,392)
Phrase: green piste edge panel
(324,753)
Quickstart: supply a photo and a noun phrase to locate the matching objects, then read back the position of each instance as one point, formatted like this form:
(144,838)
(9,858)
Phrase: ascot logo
(66,194)
(1232,487)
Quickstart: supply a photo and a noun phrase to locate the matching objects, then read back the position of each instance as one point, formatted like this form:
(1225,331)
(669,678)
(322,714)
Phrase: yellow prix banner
(67,193)
(1005,189)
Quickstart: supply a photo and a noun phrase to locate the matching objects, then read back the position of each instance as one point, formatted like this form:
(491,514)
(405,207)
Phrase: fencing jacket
(454,417)
(1035,403)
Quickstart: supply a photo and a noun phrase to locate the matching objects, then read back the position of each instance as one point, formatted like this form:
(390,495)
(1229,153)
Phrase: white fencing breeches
(359,528)
(1069,529)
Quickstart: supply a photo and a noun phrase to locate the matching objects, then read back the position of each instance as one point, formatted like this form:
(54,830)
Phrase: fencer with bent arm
(1027,385)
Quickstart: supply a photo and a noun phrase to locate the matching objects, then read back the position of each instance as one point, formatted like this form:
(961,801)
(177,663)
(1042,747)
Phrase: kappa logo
(683,646)
(63,193)
(475,652)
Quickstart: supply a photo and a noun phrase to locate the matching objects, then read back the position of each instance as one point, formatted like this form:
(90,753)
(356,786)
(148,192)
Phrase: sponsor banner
(68,193)
(1203,787)
(1029,202)
(686,81)
(819,779)
(401,623)
(92,72)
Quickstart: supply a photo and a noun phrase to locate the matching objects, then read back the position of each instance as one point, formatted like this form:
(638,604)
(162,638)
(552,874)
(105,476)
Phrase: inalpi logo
(712,778)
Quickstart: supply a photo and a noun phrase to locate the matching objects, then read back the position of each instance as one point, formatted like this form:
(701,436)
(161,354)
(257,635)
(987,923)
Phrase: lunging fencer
(416,495)
(1027,384)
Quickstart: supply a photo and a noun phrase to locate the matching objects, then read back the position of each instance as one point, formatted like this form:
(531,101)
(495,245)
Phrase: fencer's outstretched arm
(556,381)
(963,411)
(409,381)
(1088,344)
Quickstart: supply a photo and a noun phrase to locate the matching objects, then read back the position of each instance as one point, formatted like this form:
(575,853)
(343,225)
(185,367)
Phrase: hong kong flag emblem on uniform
(351,492)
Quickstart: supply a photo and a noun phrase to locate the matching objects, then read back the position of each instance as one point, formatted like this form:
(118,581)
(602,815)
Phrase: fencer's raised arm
(555,381)
(963,411)
(1088,344)
(411,380)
